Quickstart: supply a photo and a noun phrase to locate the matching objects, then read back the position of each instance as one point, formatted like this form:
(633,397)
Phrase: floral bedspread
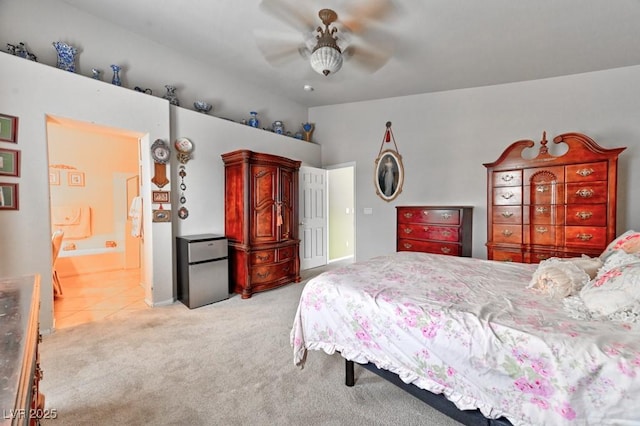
(470,329)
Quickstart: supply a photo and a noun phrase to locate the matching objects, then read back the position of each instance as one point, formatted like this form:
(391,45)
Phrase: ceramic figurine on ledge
(307,130)
(253,121)
(116,75)
(66,56)
(278,127)
(95,74)
(171,95)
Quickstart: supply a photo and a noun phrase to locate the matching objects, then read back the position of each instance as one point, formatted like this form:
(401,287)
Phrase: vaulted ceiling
(437,44)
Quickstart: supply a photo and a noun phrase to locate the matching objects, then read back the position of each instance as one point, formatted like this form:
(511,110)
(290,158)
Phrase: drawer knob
(446,215)
(407,230)
(585,193)
(508,195)
(263,257)
(407,245)
(263,275)
(542,188)
(541,229)
(541,210)
(445,250)
(585,237)
(584,172)
(507,233)
(408,215)
(447,233)
(507,178)
(541,256)
(584,215)
(507,214)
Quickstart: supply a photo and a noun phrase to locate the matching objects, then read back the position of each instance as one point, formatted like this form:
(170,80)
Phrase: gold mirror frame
(389,175)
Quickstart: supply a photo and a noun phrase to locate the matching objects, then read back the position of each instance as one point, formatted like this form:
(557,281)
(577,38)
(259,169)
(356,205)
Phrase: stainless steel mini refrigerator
(203,269)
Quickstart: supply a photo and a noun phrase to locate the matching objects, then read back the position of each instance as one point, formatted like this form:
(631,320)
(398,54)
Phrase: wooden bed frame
(436,401)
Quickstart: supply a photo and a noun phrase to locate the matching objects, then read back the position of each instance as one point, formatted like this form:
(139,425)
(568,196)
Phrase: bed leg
(349,374)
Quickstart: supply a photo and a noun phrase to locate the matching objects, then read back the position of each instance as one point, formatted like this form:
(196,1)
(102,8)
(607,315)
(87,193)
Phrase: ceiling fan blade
(359,16)
(370,60)
(299,15)
(280,48)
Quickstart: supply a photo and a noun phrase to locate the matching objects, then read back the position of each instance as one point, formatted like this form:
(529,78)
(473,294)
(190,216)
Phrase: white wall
(444,138)
(33,91)
(147,64)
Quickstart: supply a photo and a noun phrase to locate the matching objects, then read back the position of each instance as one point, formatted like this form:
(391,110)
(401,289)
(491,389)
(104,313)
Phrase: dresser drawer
(593,192)
(538,256)
(435,216)
(543,235)
(428,232)
(544,214)
(508,178)
(544,193)
(286,253)
(507,214)
(263,256)
(587,214)
(507,233)
(586,236)
(267,273)
(544,175)
(507,196)
(428,247)
(506,256)
(587,172)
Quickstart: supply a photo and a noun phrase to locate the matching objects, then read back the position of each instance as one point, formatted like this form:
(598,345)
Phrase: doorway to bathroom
(94,182)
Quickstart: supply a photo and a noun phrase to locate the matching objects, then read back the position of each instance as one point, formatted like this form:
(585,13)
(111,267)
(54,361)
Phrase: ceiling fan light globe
(326,60)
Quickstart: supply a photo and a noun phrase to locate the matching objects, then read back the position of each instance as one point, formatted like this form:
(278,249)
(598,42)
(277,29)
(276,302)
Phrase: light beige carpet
(228,363)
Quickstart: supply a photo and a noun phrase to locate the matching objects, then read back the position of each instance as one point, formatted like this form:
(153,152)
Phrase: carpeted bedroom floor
(228,363)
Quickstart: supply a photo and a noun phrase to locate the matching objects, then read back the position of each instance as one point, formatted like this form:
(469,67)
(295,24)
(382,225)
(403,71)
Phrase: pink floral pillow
(628,242)
(616,287)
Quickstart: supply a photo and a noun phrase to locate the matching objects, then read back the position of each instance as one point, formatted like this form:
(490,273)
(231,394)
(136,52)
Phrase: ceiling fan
(356,37)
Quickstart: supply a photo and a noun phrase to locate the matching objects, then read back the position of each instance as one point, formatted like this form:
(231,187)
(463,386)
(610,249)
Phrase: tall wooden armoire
(261,221)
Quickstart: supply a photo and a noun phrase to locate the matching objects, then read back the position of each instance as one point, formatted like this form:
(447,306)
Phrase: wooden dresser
(551,206)
(20,398)
(261,221)
(435,229)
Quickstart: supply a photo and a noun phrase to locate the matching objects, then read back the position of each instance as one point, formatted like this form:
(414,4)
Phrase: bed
(478,334)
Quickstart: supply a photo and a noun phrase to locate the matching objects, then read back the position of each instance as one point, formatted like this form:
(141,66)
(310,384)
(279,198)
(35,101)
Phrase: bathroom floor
(90,297)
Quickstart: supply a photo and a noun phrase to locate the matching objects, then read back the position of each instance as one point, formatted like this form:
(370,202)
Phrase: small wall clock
(160,153)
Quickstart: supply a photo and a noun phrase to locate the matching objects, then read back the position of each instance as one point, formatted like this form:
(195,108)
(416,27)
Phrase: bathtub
(98,253)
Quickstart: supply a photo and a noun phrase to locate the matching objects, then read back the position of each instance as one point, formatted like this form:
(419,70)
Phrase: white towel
(66,215)
(135,213)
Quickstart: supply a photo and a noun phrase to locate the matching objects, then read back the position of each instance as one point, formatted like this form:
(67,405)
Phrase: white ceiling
(439,44)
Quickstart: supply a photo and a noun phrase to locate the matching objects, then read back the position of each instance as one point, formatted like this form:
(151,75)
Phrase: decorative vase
(116,75)
(171,95)
(253,121)
(307,130)
(278,127)
(66,56)
(95,74)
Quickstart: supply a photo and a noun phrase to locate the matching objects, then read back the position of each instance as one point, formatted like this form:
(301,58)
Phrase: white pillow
(629,242)
(562,277)
(616,287)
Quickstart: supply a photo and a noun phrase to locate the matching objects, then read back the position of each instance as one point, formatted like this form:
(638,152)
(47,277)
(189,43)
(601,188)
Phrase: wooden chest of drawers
(435,229)
(550,206)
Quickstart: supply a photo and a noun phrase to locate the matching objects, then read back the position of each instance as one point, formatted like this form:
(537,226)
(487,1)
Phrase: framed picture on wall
(161,215)
(9,162)
(8,196)
(75,178)
(389,175)
(54,177)
(161,197)
(8,128)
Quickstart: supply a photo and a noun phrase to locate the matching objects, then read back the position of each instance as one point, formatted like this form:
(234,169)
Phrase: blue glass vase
(66,56)
(116,75)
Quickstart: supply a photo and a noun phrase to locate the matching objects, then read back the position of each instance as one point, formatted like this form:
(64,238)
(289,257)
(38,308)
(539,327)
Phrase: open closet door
(313,217)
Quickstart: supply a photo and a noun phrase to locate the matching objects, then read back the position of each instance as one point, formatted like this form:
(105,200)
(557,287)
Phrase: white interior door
(313,217)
